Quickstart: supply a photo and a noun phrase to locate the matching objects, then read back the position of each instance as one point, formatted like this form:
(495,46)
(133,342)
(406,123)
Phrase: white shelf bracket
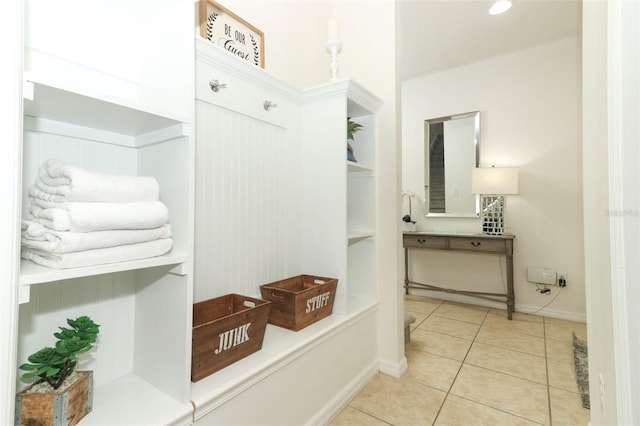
(180,269)
(24,294)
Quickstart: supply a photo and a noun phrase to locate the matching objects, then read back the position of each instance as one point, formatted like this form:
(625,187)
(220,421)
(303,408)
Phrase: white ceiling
(441,34)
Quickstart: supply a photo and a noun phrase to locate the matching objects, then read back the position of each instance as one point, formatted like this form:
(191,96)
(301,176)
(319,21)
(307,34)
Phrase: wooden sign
(232,33)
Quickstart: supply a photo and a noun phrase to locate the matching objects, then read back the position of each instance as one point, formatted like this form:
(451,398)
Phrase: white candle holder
(334,47)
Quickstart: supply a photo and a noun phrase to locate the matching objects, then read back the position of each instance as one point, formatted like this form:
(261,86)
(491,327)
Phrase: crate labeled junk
(300,301)
(225,330)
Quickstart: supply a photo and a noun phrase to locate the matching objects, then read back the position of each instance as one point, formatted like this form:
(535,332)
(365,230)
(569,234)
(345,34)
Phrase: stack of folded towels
(81,218)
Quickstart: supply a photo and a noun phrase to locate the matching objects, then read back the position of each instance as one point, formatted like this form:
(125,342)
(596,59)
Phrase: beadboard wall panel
(166,162)
(247,174)
(108,299)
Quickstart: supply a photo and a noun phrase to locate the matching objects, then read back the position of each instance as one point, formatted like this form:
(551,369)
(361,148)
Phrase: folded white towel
(41,195)
(76,184)
(39,237)
(89,217)
(99,256)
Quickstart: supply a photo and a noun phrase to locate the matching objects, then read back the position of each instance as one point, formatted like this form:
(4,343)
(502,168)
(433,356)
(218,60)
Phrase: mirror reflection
(452,148)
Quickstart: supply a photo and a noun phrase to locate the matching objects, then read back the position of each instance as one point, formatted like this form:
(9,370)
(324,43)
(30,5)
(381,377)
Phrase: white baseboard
(395,369)
(342,399)
(546,312)
(451,297)
(552,313)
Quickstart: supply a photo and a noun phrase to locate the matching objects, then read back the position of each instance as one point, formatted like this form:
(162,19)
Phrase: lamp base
(493,220)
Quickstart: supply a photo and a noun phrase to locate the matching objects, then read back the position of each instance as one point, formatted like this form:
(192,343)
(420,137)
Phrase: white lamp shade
(495,180)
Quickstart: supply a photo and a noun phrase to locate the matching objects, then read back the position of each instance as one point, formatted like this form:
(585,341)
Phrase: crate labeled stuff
(300,301)
(225,330)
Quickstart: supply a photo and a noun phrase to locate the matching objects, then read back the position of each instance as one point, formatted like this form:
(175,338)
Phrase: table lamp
(492,184)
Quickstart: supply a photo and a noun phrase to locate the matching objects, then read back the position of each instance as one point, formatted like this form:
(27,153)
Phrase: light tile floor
(470,365)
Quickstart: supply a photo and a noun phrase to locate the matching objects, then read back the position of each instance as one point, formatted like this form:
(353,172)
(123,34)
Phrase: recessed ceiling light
(501,6)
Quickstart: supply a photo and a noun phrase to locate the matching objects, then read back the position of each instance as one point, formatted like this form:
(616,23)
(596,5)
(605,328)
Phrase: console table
(476,243)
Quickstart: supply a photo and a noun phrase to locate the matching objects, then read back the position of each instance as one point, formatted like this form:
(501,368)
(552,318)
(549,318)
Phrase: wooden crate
(57,408)
(225,330)
(300,301)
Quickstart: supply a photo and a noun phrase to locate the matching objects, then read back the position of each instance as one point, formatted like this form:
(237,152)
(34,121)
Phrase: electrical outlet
(561,278)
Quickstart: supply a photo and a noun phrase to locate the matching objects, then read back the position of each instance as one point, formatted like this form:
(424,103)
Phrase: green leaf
(83,350)
(65,334)
(47,371)
(27,367)
(352,127)
(41,356)
(30,375)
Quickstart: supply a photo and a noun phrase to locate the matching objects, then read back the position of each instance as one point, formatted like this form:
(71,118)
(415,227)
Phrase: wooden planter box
(57,408)
(225,330)
(300,301)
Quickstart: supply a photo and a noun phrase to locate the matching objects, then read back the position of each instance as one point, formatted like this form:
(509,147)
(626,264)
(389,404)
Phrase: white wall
(530,103)
(624,213)
(611,202)
(295,33)
(599,296)
(368,31)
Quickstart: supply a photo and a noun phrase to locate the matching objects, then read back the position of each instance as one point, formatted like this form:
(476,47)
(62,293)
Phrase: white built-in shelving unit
(255,194)
(276,198)
(115,137)
(361,197)
(342,194)
(114,120)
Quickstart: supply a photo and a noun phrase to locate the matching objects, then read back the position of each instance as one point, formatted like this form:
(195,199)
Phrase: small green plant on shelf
(352,127)
(54,365)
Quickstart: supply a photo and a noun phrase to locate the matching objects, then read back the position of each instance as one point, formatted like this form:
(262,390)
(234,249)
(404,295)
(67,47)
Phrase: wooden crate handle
(276,295)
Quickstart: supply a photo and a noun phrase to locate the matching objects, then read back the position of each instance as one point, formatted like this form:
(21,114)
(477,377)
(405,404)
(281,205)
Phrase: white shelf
(121,122)
(32,273)
(357,167)
(130,400)
(355,236)
(280,347)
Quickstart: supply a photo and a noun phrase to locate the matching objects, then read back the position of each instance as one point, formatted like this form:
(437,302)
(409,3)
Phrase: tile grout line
(370,415)
(459,369)
(532,381)
(482,324)
(473,341)
(447,393)
(546,365)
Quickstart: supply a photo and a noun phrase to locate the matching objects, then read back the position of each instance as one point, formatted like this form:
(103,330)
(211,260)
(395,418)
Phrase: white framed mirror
(452,151)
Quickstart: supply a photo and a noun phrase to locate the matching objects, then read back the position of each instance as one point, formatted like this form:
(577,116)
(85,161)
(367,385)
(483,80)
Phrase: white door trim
(624,156)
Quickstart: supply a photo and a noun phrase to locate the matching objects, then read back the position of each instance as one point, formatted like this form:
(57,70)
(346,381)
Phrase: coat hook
(215,85)
(268,105)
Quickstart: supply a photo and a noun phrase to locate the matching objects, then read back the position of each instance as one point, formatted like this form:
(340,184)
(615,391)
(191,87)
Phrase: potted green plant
(352,127)
(62,394)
